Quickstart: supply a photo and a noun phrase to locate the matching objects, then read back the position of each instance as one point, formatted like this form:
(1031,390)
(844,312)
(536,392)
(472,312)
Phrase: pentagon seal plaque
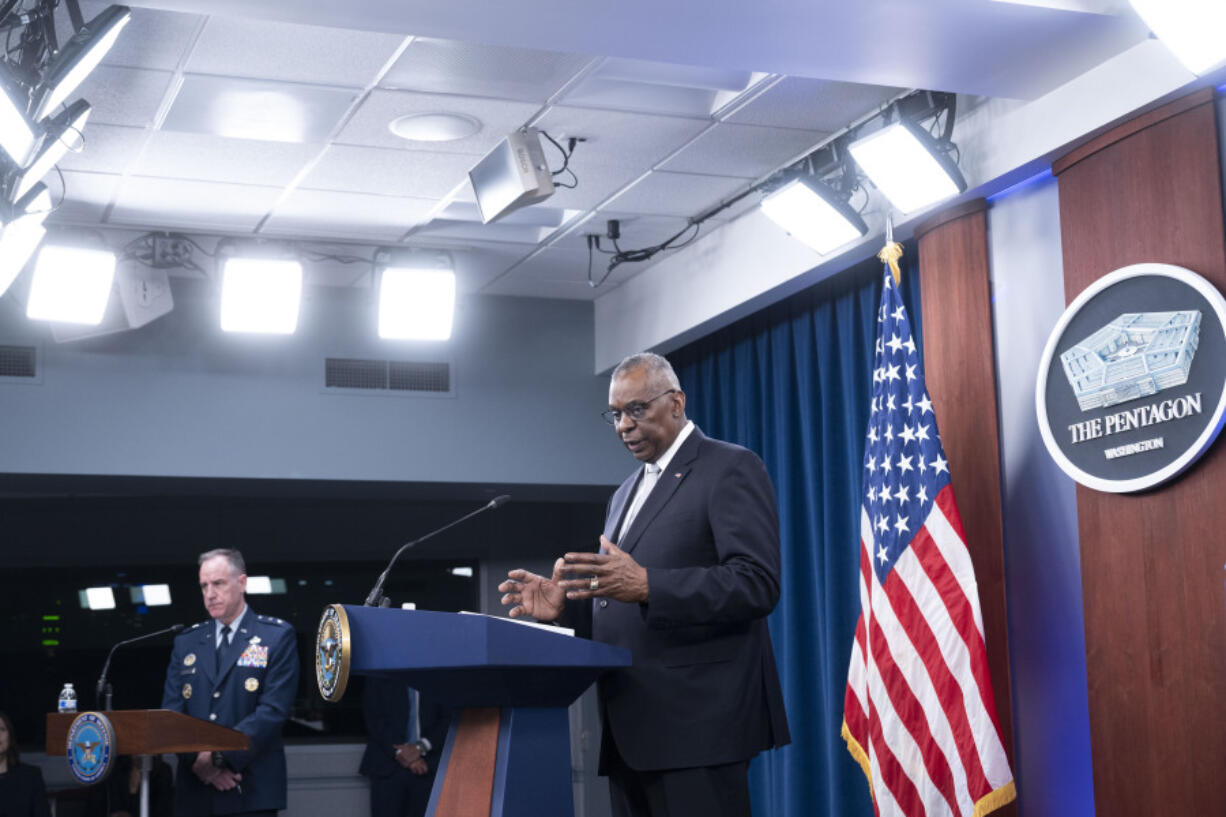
(1131,388)
(91,747)
(332,653)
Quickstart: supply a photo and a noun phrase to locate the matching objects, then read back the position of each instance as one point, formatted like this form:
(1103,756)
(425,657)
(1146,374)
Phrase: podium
(148,732)
(508,750)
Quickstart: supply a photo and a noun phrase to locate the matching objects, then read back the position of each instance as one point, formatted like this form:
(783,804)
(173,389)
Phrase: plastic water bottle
(68,699)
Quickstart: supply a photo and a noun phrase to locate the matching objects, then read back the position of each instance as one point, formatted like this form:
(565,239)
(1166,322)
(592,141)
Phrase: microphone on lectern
(103,687)
(376,598)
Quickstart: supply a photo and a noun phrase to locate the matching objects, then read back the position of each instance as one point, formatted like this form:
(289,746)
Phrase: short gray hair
(658,368)
(231,555)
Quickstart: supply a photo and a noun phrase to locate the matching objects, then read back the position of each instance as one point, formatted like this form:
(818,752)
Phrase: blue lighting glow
(1037,178)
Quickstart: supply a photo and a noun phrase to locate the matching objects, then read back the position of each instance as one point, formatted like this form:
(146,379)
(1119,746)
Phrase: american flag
(919,715)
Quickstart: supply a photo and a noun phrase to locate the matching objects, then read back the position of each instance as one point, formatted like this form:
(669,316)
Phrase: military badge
(189,659)
(187,691)
(255,655)
(251,684)
(91,745)
(332,653)
(255,639)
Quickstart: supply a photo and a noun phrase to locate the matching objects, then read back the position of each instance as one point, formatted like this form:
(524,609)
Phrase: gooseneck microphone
(376,598)
(105,688)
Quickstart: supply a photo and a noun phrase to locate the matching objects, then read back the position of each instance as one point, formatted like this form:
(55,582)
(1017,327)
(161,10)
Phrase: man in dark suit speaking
(687,572)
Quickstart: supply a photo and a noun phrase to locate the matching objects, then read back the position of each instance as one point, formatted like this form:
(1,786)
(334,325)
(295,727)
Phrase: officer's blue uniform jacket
(249,687)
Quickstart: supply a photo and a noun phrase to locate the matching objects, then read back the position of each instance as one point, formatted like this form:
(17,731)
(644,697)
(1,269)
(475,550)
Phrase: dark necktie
(222,643)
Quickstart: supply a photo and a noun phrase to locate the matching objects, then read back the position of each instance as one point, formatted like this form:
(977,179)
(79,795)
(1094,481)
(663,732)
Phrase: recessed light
(434,127)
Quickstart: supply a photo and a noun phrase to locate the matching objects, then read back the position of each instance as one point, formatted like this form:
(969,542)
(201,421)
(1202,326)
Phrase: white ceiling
(681,105)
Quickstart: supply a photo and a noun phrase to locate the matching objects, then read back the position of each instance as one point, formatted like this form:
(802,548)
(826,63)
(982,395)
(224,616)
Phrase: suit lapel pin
(677,475)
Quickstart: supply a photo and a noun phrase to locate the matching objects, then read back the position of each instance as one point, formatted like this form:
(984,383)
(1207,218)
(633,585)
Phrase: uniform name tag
(255,655)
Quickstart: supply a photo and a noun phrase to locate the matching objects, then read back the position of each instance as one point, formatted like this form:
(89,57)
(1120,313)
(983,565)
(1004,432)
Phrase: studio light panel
(1192,29)
(416,304)
(811,213)
(71,284)
(260,295)
(905,164)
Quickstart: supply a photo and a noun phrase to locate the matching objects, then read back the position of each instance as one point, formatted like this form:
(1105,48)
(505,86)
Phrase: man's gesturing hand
(531,595)
(617,575)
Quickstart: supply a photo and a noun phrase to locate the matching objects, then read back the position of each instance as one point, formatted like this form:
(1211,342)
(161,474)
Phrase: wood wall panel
(960,370)
(1151,564)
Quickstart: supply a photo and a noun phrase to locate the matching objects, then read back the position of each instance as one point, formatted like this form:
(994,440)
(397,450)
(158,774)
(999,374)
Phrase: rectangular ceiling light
(79,57)
(1192,29)
(98,598)
(416,303)
(814,215)
(71,284)
(260,295)
(151,595)
(21,236)
(259,585)
(905,164)
(16,135)
(64,133)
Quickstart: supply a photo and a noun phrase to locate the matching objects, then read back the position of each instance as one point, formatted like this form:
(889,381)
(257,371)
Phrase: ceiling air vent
(18,361)
(417,377)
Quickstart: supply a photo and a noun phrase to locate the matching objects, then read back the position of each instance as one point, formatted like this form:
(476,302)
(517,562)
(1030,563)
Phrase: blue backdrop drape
(793,383)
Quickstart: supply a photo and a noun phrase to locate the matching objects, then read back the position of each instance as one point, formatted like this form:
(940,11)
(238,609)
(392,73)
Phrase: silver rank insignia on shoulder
(187,691)
(251,684)
(189,659)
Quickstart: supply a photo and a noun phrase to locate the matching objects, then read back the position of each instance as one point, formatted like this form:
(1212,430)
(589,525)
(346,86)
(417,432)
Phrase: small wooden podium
(147,732)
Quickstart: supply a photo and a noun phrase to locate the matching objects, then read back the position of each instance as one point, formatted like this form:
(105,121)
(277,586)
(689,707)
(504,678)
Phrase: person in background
(238,669)
(405,735)
(22,793)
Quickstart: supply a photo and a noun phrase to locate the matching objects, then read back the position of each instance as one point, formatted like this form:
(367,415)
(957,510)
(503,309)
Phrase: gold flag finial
(890,254)
(892,250)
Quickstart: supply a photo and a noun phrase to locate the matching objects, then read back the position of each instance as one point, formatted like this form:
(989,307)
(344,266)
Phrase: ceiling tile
(657,87)
(171,155)
(261,49)
(597,181)
(258,109)
(86,196)
(107,149)
(192,204)
(124,96)
(743,150)
(152,39)
(676,194)
(472,69)
(346,215)
(814,104)
(369,125)
(420,174)
(629,139)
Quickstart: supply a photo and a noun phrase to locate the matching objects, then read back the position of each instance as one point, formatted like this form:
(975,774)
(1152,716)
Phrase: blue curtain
(793,383)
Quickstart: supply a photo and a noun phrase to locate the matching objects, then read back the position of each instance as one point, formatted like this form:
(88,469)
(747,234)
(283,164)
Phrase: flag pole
(892,251)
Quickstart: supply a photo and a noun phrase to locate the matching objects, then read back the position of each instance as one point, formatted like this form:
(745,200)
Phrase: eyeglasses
(636,410)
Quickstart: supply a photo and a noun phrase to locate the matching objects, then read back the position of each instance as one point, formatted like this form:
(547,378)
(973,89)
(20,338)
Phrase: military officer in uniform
(237,669)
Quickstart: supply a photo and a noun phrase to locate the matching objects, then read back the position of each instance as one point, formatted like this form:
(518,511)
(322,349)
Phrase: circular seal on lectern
(332,653)
(91,747)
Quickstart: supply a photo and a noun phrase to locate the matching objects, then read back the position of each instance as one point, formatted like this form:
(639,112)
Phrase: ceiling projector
(512,175)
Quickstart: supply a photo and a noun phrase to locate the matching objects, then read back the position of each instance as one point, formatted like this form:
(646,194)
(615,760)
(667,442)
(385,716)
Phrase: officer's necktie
(222,643)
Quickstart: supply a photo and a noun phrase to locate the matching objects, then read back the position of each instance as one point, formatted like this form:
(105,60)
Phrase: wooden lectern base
(509,762)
